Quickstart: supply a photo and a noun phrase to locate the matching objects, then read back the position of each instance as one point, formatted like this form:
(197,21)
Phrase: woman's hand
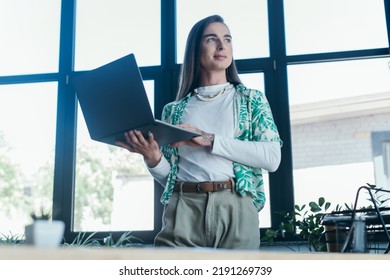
(205,140)
(135,142)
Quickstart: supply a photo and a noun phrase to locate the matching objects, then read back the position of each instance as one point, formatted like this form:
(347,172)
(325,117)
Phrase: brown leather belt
(215,186)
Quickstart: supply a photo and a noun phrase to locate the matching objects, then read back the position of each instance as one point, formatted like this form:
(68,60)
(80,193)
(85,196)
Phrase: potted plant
(321,230)
(43,231)
(341,227)
(304,225)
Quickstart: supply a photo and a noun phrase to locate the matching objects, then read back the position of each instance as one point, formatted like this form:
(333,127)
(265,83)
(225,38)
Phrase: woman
(213,183)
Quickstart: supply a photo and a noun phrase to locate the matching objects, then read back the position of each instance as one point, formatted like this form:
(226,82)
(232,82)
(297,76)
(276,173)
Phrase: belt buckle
(221,186)
(198,189)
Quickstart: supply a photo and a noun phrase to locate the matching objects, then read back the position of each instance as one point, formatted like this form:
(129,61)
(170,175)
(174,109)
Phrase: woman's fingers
(140,138)
(136,142)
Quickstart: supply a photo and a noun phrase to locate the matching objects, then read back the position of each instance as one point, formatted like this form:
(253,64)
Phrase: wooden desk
(102,253)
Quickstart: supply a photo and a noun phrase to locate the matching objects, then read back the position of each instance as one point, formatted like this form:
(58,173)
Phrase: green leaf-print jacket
(254,122)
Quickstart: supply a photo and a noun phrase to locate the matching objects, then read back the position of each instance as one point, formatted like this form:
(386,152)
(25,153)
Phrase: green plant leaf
(300,208)
(271,233)
(314,207)
(321,201)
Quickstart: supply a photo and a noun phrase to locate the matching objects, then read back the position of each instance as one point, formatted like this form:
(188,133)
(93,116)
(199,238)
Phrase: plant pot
(335,237)
(43,233)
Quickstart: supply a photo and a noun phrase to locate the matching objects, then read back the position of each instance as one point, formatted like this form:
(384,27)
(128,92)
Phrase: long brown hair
(190,69)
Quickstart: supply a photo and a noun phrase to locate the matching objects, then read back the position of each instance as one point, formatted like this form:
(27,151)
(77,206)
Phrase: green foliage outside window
(96,168)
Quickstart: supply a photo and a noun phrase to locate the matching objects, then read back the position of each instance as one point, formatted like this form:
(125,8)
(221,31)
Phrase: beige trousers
(222,219)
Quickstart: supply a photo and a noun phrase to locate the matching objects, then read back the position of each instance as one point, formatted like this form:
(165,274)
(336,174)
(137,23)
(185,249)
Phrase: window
(107,30)
(30,32)
(335,106)
(30,36)
(27,139)
(315,26)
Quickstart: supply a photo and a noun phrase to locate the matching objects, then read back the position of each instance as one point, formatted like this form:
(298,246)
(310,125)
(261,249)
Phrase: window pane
(107,30)
(256,81)
(310,83)
(27,139)
(30,36)
(315,26)
(335,109)
(253,80)
(249,30)
(114,190)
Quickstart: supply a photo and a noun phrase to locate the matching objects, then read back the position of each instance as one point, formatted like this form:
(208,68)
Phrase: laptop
(113,100)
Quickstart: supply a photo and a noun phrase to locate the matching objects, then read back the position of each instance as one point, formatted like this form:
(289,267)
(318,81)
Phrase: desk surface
(102,253)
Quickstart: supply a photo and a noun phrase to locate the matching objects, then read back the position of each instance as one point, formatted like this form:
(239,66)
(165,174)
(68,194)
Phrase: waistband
(214,186)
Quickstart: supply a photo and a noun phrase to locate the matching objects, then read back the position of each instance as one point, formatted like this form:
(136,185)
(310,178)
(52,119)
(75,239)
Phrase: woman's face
(217,50)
